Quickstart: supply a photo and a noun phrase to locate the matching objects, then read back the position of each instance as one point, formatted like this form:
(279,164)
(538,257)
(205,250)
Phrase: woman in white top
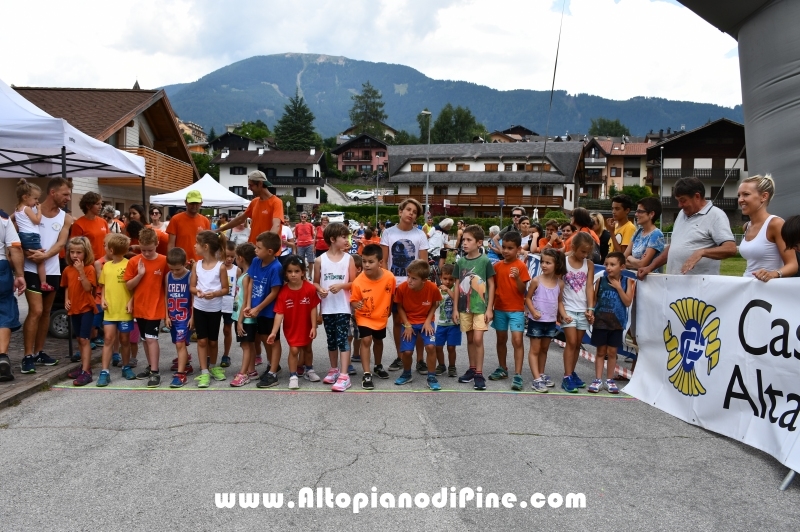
(241,233)
(762,245)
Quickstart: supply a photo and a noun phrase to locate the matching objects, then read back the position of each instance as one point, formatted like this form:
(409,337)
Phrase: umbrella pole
(144,201)
(69,320)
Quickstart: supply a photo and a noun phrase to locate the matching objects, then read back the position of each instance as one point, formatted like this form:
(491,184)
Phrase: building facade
(363,153)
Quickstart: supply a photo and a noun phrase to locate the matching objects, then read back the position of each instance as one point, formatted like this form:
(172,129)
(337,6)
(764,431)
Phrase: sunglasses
(155,212)
(640,211)
(516,215)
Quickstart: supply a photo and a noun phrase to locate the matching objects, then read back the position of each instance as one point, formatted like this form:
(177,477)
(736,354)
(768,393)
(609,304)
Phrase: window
(462,168)
(440,190)
(521,167)
(348,156)
(441,167)
(417,167)
(366,168)
(269,172)
(365,155)
(380,154)
(509,167)
(380,168)
(239,191)
(299,192)
(348,167)
(300,172)
(490,167)
(615,172)
(570,194)
(238,170)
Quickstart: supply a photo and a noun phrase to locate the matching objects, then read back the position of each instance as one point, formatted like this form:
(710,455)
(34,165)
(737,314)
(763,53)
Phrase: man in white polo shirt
(11,280)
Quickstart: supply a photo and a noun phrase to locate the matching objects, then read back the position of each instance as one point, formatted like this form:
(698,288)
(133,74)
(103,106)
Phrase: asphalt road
(125,457)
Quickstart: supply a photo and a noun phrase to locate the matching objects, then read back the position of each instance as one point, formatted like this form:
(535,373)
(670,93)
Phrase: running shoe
(217,373)
(356,359)
(595,386)
(396,365)
(311,375)
(332,376)
(568,386)
(154,381)
(267,380)
(104,379)
(478,382)
(517,383)
(422,368)
(611,386)
(468,376)
(342,384)
(5,369)
(203,380)
(83,379)
(128,374)
(539,386)
(547,381)
(366,382)
(144,374)
(498,374)
(240,380)
(301,370)
(577,381)
(253,374)
(226,362)
(380,372)
(75,372)
(404,379)
(294,382)
(441,369)
(452,371)
(178,380)
(43,359)
(259,361)
(28,365)
(351,370)
(116,359)
(133,362)
(433,384)
(99,342)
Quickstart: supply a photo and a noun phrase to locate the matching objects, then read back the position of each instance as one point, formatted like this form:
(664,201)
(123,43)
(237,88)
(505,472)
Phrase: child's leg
(544,346)
(227,339)
(308,356)
(471,348)
(408,359)
(502,349)
(533,357)
(109,339)
(611,363)
(215,318)
(378,350)
(600,360)
(213,351)
(477,337)
(202,353)
(154,352)
(408,346)
(125,347)
(439,354)
(364,351)
(573,336)
(86,353)
(183,355)
(420,348)
(275,352)
(42,273)
(519,351)
(451,355)
(294,353)
(430,351)
(248,358)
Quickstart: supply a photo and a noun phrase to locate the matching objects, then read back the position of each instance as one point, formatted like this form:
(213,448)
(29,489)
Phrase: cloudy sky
(613,48)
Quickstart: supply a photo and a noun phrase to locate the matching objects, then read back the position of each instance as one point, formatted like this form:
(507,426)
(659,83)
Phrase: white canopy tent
(35,144)
(215,196)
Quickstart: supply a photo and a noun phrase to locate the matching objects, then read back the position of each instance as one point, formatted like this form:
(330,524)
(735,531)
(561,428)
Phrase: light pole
(427,166)
(661,189)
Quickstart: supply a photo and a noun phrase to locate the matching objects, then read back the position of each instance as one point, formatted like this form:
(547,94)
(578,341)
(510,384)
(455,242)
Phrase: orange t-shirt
(98,298)
(556,245)
(417,303)
(95,230)
(507,296)
(364,242)
(80,300)
(568,243)
(262,212)
(185,229)
(163,240)
(377,298)
(148,296)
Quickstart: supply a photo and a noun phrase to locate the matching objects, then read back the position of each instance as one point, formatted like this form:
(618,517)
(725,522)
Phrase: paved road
(119,458)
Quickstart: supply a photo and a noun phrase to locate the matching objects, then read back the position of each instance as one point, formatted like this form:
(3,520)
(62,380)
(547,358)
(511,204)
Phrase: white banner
(723,353)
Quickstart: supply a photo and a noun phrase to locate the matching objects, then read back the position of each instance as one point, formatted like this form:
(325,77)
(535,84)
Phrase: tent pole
(69,321)
(144,201)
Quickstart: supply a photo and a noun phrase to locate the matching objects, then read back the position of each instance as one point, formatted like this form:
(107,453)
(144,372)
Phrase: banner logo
(699,338)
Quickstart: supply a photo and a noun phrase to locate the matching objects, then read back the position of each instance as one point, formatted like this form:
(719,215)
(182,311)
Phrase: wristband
(780,274)
(408,326)
(590,308)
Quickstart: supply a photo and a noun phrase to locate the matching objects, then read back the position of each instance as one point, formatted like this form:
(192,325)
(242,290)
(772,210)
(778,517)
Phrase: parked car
(354,225)
(353,193)
(364,195)
(334,216)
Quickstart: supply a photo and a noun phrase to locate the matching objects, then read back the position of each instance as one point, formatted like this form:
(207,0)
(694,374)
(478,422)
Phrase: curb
(18,389)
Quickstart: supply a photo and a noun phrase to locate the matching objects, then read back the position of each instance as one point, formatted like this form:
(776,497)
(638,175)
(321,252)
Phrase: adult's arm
(171,243)
(723,251)
(41,256)
(240,219)
(658,262)
(16,258)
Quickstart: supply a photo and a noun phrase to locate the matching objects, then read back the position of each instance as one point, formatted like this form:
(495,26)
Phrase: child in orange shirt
(80,279)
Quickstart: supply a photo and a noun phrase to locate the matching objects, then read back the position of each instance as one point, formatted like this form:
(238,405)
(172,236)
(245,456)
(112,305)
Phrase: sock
(154,371)
(104,371)
(273,374)
(431,374)
(309,367)
(478,372)
(367,373)
(473,368)
(293,374)
(203,371)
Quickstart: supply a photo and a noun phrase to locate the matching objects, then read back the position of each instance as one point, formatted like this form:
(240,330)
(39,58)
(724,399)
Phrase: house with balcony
(135,120)
(292,173)
(233,142)
(363,153)
(484,178)
(611,162)
(714,152)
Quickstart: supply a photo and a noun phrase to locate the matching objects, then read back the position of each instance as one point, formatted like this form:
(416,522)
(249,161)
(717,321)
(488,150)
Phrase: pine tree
(212,135)
(295,129)
(367,111)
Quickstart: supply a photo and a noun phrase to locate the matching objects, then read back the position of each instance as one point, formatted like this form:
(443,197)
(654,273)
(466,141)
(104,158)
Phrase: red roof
(631,149)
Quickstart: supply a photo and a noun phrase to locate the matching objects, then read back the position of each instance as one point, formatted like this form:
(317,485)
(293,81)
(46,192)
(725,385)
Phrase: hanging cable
(730,171)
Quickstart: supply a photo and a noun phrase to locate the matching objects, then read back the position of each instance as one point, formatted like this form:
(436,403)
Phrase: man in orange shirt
(184,226)
(265,211)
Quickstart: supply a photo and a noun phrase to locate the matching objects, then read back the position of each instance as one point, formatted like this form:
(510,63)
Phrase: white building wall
(672,163)
(453,189)
(702,163)
(569,191)
(739,164)
(403,188)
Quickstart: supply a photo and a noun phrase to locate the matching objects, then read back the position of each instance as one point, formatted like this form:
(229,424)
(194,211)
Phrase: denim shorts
(448,335)
(122,326)
(541,329)
(30,241)
(579,321)
(505,320)
(9,312)
(416,330)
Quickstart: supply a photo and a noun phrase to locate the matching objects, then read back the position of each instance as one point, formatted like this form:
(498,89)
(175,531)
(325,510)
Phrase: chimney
(313,150)
(669,130)
(230,127)
(225,153)
(661,133)
(261,151)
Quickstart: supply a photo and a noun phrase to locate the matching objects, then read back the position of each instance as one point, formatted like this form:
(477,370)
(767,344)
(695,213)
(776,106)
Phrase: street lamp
(661,189)
(427,166)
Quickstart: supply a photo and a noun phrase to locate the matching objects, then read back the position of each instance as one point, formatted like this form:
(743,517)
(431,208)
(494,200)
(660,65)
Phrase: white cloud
(616,49)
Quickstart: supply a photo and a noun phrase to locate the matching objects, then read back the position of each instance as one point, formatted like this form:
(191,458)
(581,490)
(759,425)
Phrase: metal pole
(69,321)
(661,189)
(377,181)
(787,480)
(428,170)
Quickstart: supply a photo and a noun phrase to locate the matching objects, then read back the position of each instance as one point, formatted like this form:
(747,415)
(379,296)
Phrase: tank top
(49,230)
(545,300)
(208,281)
(610,314)
(227,299)
(575,287)
(335,273)
(179,299)
(24,223)
(760,252)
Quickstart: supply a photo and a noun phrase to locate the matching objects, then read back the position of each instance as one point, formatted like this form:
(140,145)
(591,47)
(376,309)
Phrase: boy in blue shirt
(179,312)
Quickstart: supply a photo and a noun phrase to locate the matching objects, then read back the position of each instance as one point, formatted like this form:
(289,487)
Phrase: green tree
(295,129)
(606,127)
(203,163)
(452,126)
(188,138)
(367,111)
(403,137)
(257,130)
(212,135)
(636,192)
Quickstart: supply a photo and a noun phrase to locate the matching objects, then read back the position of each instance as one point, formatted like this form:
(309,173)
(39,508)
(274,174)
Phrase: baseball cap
(258,175)
(194,196)
(388,224)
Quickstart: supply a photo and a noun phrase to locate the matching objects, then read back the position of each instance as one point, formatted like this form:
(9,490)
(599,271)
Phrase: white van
(334,216)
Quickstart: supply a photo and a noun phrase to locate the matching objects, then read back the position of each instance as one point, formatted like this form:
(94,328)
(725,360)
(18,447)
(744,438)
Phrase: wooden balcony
(162,172)
(479,200)
(726,204)
(700,173)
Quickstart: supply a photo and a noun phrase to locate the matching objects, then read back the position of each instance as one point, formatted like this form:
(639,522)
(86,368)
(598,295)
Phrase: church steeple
(136,86)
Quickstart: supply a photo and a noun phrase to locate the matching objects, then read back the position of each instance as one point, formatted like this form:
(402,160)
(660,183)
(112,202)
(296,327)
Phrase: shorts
(82,324)
(448,334)
(206,324)
(377,334)
(337,329)
(541,329)
(30,241)
(122,326)
(601,337)
(9,311)
(264,327)
(226,318)
(149,328)
(578,320)
(505,320)
(33,284)
(249,333)
(472,322)
(416,330)
(180,333)
(98,318)
(306,253)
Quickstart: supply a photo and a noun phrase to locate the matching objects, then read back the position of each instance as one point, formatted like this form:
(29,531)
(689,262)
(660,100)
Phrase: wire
(732,168)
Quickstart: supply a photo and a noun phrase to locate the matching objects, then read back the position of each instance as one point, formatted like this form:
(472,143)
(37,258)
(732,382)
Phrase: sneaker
(441,369)
(165,329)
(154,381)
(301,370)
(116,359)
(351,370)
(577,381)
(404,379)
(595,386)
(468,376)
(498,374)
(99,342)
(433,384)
(422,368)
(46,287)
(294,382)
(174,366)
(611,386)
(267,380)
(259,361)
(76,357)
(194,336)
(366,382)
(568,386)
(83,379)
(188,370)
(342,383)
(380,372)
(539,385)
(226,362)
(478,382)
(548,381)
(396,365)
(311,375)
(74,373)
(331,377)
(203,380)
(217,373)
(517,384)
(133,362)
(92,345)
(28,365)
(452,371)
(355,359)
(128,374)
(178,380)
(104,379)
(253,374)
(144,374)
(5,369)
(269,368)
(43,359)
(240,380)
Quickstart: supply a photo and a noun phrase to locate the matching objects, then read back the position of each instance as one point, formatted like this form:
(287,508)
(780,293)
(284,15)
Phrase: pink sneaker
(342,383)
(332,375)
(259,361)
(253,374)
(240,380)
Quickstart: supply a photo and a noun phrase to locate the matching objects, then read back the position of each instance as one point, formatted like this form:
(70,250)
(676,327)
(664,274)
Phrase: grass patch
(347,188)
(733,266)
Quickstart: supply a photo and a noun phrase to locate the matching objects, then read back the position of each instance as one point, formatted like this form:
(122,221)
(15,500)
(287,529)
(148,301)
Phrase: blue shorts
(9,311)
(541,329)
(30,241)
(82,324)
(416,330)
(179,330)
(98,318)
(578,320)
(448,335)
(122,326)
(505,320)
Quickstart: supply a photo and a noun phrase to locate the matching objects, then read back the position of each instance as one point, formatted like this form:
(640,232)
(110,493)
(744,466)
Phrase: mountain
(258,88)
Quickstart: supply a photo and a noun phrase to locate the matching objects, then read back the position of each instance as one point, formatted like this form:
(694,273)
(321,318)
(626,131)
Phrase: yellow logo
(699,338)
